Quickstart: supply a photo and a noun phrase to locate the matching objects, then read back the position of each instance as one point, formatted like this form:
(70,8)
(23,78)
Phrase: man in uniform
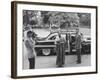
(78,46)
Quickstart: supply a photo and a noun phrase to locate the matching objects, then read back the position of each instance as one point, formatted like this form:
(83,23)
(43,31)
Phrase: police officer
(78,46)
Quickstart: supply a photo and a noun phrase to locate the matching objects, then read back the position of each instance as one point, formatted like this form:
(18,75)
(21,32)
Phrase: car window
(73,38)
(52,37)
(88,38)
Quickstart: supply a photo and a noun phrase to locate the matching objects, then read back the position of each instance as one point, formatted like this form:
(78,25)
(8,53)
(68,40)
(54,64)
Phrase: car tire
(46,52)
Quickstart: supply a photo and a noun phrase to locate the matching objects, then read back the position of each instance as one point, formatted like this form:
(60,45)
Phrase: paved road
(50,61)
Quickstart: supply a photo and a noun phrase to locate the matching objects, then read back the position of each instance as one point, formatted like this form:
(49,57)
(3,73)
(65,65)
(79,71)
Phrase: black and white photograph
(54,39)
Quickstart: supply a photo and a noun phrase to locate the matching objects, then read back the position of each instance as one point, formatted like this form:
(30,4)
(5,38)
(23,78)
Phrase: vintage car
(86,44)
(47,46)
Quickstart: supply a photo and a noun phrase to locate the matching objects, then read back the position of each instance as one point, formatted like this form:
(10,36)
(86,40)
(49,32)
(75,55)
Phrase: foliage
(85,19)
(58,19)
(62,19)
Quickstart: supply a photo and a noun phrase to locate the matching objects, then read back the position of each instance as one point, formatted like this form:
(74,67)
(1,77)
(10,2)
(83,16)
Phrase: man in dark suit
(78,46)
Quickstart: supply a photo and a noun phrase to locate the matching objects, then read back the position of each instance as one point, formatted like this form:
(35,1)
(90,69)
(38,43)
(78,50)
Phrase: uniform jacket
(78,42)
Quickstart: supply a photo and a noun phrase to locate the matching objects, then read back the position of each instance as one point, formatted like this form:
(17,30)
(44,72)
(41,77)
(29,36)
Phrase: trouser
(78,55)
(32,63)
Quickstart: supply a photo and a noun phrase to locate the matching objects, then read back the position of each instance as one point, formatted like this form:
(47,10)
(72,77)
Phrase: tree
(63,19)
(85,19)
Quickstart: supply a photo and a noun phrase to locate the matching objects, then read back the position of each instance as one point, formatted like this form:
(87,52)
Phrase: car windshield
(52,37)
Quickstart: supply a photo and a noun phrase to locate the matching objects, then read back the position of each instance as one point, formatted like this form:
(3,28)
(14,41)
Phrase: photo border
(14,37)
